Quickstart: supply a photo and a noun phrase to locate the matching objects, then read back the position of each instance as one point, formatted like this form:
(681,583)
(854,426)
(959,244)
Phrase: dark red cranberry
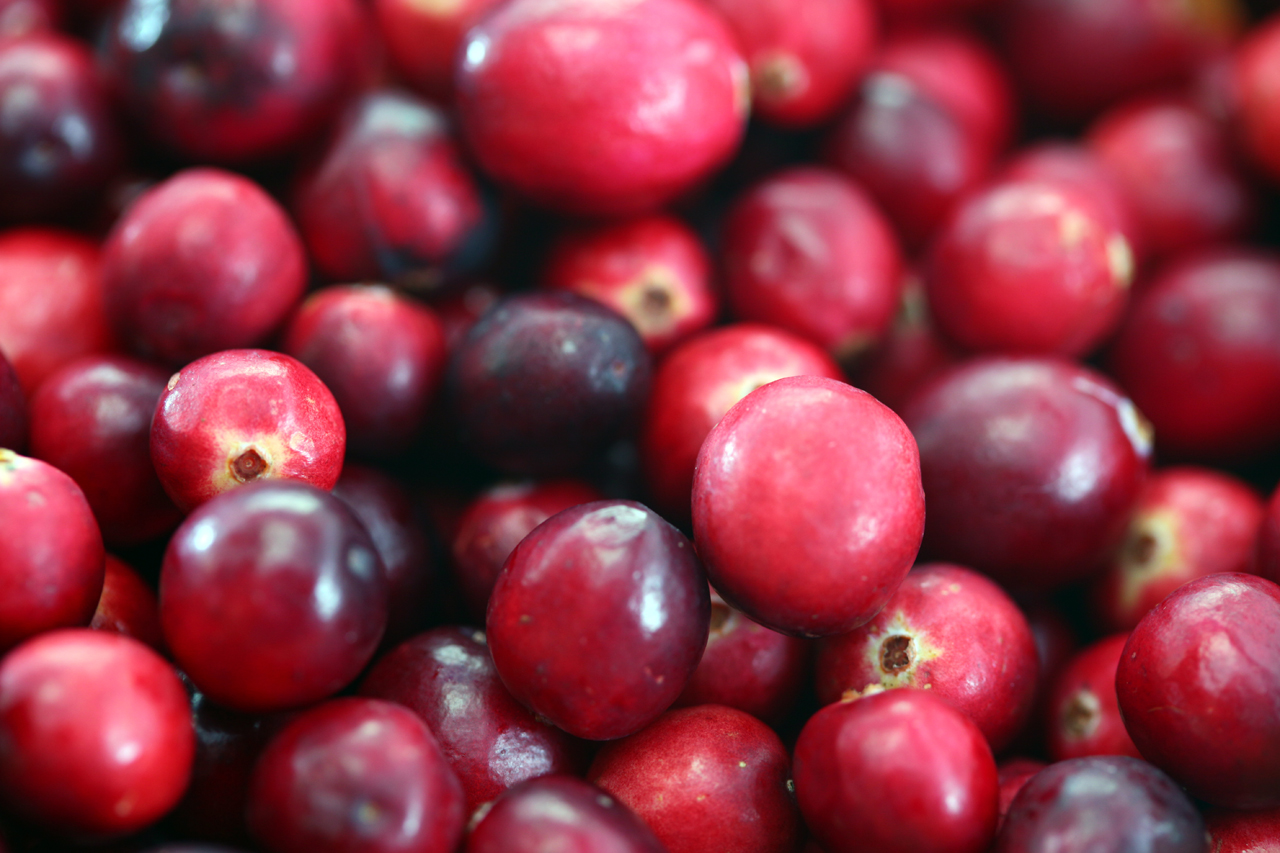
(96,733)
(1014,774)
(355,774)
(1031,465)
(948,630)
(1056,644)
(1101,803)
(807,505)
(599,618)
(1268,555)
(272,596)
(51,557)
(239,416)
(92,420)
(1253,77)
(128,606)
(1084,716)
(23,17)
(916,10)
(491,741)
(591,123)
(381,354)
(1243,832)
(191,848)
(205,261)
(422,39)
(389,198)
(705,778)
(459,311)
(13,409)
(934,780)
(1188,522)
(809,251)
(546,380)
(1201,664)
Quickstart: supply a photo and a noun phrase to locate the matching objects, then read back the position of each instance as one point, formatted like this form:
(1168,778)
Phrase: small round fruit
(1084,714)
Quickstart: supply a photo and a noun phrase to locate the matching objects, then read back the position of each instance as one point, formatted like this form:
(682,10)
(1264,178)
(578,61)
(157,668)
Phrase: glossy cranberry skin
(705,778)
(1253,75)
(272,596)
(422,39)
(1243,832)
(932,771)
(51,557)
(1200,664)
(560,813)
(807,250)
(611,577)
(355,773)
(948,630)
(1031,466)
(13,409)
(1188,523)
(545,381)
(21,17)
(128,606)
(1101,803)
(202,262)
(795,457)
(447,677)
(239,416)
(697,383)
(587,124)
(112,761)
(1084,715)
(1014,774)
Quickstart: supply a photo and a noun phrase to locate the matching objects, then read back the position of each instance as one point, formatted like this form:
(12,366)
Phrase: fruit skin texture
(1256,68)
(807,505)
(110,763)
(1084,713)
(948,630)
(202,262)
(935,782)
(708,778)
(128,606)
(1205,661)
(1243,832)
(239,416)
(422,39)
(51,552)
(587,124)
(13,409)
(272,596)
(599,618)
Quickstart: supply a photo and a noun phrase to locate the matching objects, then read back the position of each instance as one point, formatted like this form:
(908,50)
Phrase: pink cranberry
(809,251)
(422,39)
(272,596)
(22,17)
(128,606)
(1253,78)
(1084,715)
(705,778)
(51,557)
(355,774)
(112,761)
(1014,774)
(587,122)
(1202,664)
(1243,832)
(934,780)
(13,409)
(205,261)
(599,618)
(948,630)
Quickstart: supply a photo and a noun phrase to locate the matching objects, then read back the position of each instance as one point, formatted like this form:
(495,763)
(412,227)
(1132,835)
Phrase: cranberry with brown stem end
(1084,714)
(13,409)
(422,39)
(128,606)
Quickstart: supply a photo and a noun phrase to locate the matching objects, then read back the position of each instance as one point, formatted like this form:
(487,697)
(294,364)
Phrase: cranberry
(1056,644)
(355,774)
(460,310)
(1188,522)
(51,557)
(111,760)
(705,778)
(934,779)
(205,261)
(422,39)
(1243,832)
(911,10)
(809,251)
(1084,716)
(21,17)
(272,596)
(1253,78)
(1200,664)
(128,606)
(1101,803)
(574,104)
(13,409)
(599,618)
(1014,774)
(948,630)
(1268,555)
(1031,466)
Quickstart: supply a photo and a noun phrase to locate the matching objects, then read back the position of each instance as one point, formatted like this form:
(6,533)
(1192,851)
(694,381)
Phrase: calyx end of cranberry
(249,465)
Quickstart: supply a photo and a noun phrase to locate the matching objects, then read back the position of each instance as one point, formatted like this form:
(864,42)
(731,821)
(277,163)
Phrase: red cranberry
(355,774)
(22,17)
(1253,77)
(1202,664)
(96,733)
(422,39)
(491,741)
(51,557)
(697,383)
(935,782)
(1056,644)
(244,415)
(1031,466)
(205,261)
(1243,832)
(1084,716)
(1014,774)
(272,596)
(1268,555)
(128,606)
(809,251)
(705,778)
(912,10)
(601,108)
(1101,803)
(948,630)
(13,409)
(1188,522)
(599,618)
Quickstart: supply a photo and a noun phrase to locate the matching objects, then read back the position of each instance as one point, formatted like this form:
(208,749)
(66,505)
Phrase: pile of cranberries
(628,426)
